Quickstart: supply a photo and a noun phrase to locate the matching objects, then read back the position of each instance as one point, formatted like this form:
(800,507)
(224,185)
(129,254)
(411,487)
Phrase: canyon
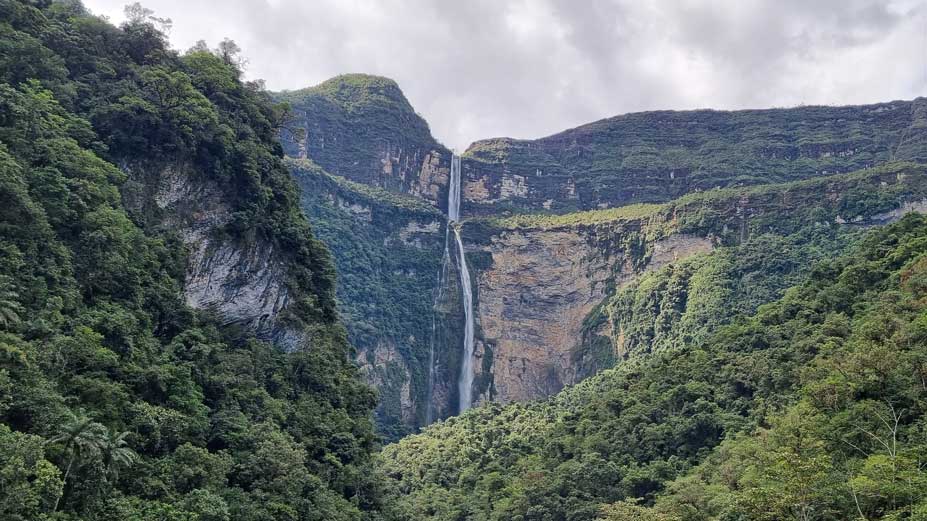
(552,228)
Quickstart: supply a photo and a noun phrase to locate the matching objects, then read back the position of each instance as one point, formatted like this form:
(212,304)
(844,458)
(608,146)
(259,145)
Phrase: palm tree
(83,439)
(116,454)
(9,309)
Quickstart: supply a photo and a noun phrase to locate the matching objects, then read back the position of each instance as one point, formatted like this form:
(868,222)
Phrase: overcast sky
(528,68)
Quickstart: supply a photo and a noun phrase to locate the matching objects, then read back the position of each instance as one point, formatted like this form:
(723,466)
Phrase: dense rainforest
(748,301)
(811,408)
(117,400)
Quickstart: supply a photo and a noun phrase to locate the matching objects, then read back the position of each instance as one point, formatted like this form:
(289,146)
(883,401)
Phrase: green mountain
(560,256)
(363,128)
(169,342)
(814,406)
(657,156)
(676,315)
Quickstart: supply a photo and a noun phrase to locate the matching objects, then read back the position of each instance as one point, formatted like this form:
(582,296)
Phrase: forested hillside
(117,399)
(388,249)
(812,408)
(746,341)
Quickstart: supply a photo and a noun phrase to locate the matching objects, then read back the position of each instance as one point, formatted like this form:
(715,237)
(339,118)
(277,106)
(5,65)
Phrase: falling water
(466,368)
(465,383)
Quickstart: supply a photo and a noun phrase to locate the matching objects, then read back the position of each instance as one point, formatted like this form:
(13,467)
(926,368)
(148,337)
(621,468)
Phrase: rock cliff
(244,281)
(544,281)
(363,128)
(658,156)
(537,292)
(388,250)
(559,230)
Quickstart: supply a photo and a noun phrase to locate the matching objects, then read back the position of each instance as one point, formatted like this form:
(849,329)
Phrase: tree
(9,309)
(631,511)
(230,52)
(137,14)
(199,46)
(116,454)
(82,439)
(29,484)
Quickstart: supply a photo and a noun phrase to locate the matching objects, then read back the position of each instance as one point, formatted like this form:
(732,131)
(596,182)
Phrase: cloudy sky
(528,68)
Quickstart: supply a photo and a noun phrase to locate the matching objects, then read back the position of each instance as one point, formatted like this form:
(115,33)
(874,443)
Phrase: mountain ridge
(502,216)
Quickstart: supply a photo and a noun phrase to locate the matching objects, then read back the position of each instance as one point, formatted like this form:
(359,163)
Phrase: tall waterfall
(465,383)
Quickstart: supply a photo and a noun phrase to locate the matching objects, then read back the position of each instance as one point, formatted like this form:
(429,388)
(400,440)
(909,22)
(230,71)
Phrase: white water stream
(465,383)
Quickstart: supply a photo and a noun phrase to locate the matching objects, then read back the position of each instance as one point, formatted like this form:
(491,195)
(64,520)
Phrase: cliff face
(560,297)
(536,293)
(556,242)
(363,128)
(659,156)
(388,251)
(245,280)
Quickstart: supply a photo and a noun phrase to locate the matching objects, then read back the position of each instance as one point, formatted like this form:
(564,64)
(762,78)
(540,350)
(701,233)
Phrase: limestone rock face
(362,128)
(243,281)
(531,305)
(534,297)
(430,183)
(659,156)
(383,367)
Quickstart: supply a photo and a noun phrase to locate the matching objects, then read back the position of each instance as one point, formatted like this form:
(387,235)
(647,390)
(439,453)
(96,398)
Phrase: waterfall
(465,384)
(465,381)
(466,367)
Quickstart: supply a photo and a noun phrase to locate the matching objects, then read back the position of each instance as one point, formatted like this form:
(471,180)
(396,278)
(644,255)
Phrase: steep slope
(151,249)
(389,250)
(363,128)
(825,388)
(658,156)
(557,291)
(558,294)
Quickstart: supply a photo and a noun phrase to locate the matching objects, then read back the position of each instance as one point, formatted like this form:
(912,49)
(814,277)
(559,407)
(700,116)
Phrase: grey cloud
(527,68)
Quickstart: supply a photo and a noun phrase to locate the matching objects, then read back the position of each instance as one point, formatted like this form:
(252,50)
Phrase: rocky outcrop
(384,367)
(242,280)
(659,156)
(539,287)
(362,128)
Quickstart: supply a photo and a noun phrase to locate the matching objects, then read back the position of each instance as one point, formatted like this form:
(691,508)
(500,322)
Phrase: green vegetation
(853,197)
(546,221)
(359,93)
(652,157)
(388,249)
(117,401)
(686,302)
(369,194)
(812,408)
(362,128)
